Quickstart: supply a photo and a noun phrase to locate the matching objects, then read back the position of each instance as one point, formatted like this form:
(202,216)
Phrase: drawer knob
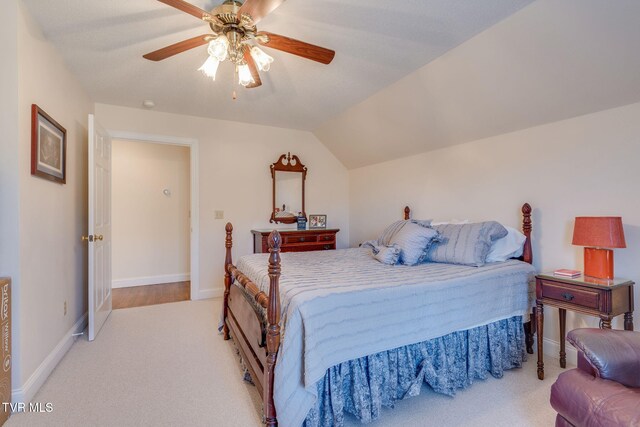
(567,296)
(302,239)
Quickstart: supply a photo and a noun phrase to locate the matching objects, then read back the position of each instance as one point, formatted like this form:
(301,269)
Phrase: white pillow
(510,246)
(453,221)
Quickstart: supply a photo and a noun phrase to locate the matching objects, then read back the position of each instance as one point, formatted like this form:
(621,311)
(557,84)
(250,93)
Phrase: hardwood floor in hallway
(138,296)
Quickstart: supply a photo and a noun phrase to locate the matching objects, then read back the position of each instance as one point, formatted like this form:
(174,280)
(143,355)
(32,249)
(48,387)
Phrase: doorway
(155,248)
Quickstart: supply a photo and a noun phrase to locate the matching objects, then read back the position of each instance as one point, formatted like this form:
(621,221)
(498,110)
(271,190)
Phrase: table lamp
(598,234)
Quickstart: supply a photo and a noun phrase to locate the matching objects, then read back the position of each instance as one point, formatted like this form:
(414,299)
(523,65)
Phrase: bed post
(407,213)
(273,328)
(228,243)
(527,256)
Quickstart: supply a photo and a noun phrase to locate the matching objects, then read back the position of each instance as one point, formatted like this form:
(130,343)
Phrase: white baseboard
(150,280)
(552,349)
(210,293)
(32,385)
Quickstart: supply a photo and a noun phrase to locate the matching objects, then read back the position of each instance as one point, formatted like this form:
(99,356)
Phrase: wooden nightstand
(597,297)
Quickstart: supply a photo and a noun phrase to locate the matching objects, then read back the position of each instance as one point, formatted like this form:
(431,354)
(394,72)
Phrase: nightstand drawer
(571,294)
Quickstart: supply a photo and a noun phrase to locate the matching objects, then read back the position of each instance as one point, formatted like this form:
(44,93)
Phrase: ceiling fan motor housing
(227,13)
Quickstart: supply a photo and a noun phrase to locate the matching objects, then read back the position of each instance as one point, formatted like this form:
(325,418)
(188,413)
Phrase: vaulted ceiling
(377,42)
(552,60)
(408,76)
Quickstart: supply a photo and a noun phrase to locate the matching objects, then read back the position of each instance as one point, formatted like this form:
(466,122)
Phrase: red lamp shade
(599,233)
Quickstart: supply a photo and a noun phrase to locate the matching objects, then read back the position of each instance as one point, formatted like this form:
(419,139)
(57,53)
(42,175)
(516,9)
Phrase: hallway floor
(137,296)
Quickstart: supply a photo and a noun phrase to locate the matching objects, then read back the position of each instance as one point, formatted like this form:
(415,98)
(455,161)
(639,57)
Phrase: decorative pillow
(392,229)
(510,246)
(414,240)
(466,244)
(387,254)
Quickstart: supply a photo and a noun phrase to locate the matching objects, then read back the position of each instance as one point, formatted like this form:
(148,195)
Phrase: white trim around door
(195,217)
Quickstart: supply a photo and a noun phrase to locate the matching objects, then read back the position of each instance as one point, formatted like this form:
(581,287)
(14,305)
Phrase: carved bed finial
(407,212)
(527,253)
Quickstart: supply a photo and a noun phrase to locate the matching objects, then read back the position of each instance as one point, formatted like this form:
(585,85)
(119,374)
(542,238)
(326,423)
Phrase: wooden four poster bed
(253,317)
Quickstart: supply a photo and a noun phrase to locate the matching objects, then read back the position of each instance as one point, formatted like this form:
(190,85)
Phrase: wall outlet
(65,308)
(218,214)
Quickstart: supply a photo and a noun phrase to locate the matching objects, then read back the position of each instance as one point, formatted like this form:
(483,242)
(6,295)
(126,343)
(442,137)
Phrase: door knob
(98,237)
(88,238)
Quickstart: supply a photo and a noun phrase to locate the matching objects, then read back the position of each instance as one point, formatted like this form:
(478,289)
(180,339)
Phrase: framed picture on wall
(48,147)
(317,221)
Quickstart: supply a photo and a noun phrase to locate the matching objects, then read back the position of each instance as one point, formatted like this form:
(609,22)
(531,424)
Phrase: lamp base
(598,263)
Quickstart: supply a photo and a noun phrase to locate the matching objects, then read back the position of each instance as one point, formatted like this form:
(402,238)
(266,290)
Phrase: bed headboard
(527,253)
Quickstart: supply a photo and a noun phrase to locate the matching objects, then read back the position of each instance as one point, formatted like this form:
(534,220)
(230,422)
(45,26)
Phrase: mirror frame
(287,163)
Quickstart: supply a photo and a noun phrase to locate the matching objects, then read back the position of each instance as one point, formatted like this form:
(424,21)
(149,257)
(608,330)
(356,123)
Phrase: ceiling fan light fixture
(263,61)
(233,35)
(244,75)
(210,67)
(219,47)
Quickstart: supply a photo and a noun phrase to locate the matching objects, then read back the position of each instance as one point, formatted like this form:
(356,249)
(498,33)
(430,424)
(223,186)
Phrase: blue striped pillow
(391,230)
(414,240)
(466,244)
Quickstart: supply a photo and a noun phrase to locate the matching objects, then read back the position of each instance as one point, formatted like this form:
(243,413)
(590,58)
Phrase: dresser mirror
(288,175)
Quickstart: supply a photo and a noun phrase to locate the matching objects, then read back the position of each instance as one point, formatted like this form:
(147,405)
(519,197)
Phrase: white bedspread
(342,305)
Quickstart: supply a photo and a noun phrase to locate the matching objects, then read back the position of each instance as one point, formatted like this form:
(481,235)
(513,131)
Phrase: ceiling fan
(235,37)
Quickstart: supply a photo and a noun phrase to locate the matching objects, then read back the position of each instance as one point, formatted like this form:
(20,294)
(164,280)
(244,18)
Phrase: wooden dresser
(296,240)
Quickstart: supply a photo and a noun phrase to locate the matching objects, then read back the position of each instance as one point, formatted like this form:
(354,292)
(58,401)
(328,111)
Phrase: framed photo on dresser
(317,221)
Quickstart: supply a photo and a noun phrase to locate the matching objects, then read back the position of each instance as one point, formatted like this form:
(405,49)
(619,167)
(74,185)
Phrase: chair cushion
(614,354)
(585,400)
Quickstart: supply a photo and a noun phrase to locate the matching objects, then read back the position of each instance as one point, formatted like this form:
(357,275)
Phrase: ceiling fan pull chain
(233,82)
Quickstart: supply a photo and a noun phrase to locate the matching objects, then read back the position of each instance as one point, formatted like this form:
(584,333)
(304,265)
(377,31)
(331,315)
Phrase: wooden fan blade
(252,67)
(296,47)
(176,48)
(190,9)
(258,9)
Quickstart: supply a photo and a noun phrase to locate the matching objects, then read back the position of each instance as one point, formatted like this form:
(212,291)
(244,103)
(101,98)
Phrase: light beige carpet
(166,365)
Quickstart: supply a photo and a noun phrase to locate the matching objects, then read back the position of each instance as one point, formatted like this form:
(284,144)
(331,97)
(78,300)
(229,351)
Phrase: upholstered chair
(604,390)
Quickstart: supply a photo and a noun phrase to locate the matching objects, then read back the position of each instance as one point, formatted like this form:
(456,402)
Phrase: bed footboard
(257,343)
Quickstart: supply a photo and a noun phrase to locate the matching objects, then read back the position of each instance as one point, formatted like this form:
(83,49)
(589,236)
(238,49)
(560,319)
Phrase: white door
(99,227)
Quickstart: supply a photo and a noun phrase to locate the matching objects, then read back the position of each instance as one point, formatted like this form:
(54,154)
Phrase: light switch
(219,214)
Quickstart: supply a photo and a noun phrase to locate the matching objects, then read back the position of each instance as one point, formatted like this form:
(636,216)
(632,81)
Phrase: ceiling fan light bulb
(263,61)
(218,47)
(244,75)
(210,67)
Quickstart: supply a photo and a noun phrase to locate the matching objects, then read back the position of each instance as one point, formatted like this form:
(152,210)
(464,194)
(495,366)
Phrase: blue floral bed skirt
(363,386)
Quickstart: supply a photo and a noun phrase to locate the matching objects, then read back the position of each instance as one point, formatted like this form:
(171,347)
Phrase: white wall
(234,176)
(9,164)
(150,232)
(52,216)
(582,166)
